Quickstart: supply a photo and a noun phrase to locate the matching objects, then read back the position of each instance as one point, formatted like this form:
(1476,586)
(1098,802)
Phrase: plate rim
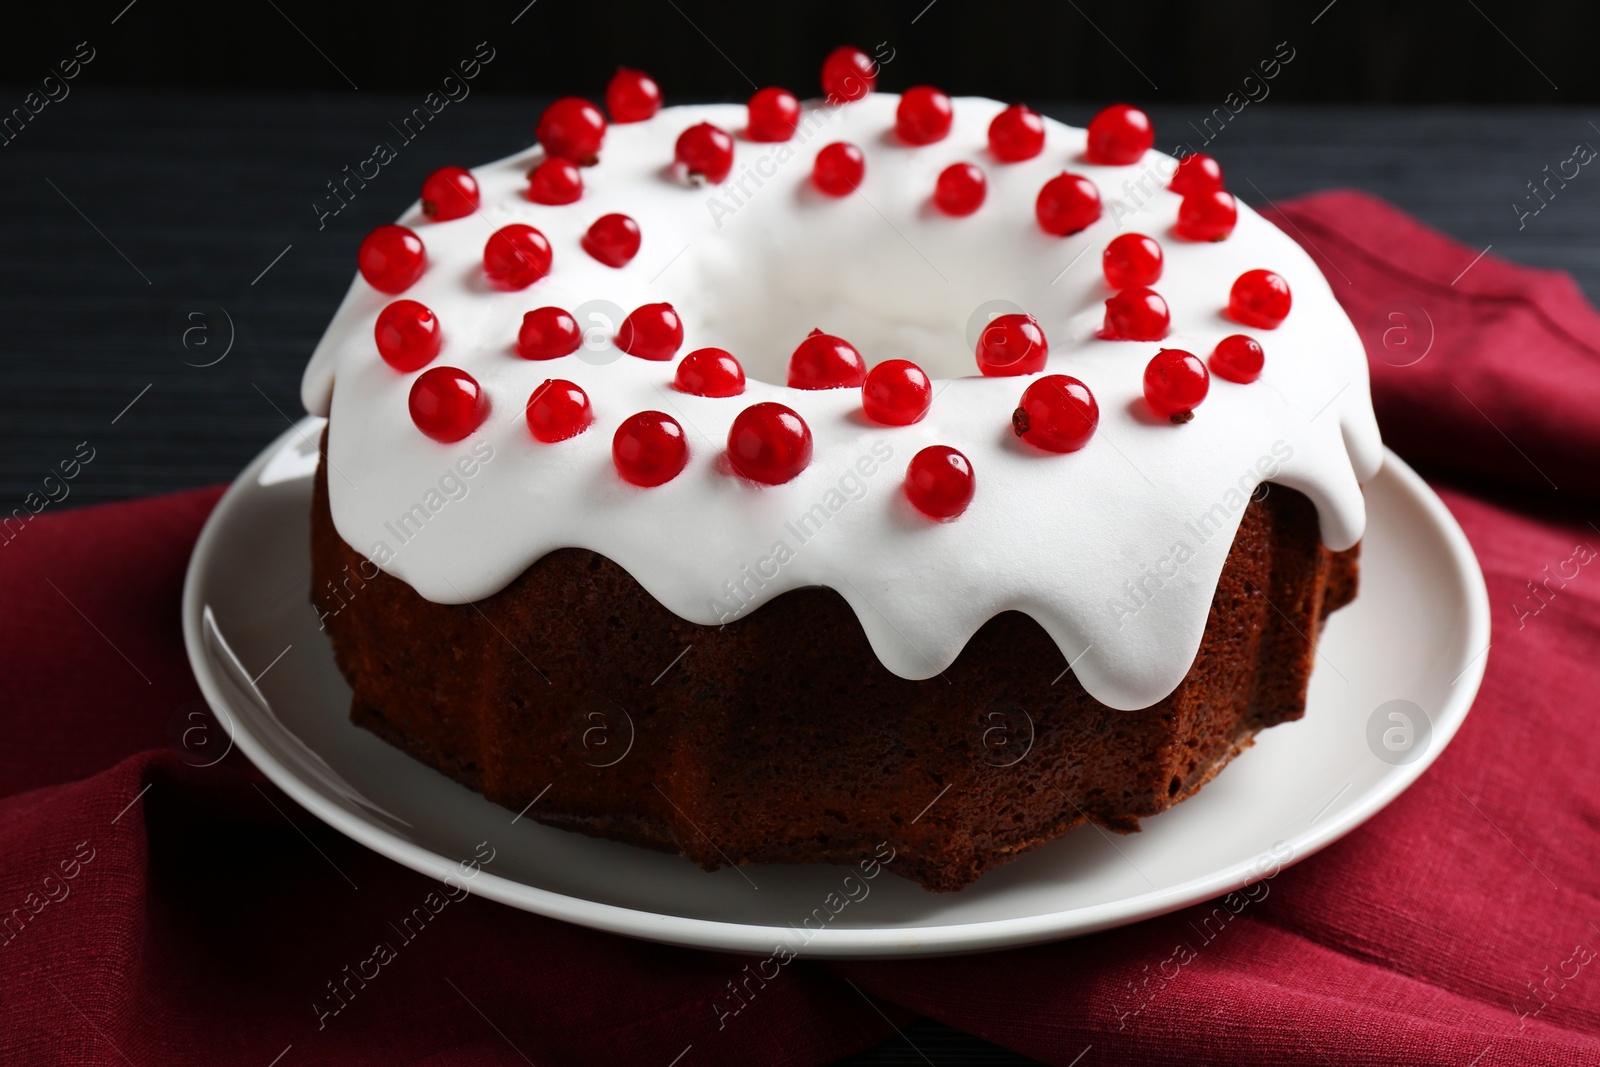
(842,943)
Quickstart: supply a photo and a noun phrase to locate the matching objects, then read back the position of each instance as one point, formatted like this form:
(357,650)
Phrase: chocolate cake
(929,494)
(748,745)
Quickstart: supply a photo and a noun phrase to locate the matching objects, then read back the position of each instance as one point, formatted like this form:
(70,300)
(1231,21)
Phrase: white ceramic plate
(1397,671)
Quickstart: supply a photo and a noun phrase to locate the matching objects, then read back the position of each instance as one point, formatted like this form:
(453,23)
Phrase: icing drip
(1115,549)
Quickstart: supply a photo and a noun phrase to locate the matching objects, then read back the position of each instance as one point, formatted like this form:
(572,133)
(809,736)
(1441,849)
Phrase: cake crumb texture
(781,738)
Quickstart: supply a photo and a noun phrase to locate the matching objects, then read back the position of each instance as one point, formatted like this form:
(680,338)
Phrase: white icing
(1063,538)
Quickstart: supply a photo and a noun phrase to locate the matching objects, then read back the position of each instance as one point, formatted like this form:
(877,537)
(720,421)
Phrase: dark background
(161,214)
(1357,51)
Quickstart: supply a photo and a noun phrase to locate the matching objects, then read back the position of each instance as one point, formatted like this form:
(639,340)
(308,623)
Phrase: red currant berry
(1174,384)
(649,449)
(557,410)
(1197,173)
(408,335)
(391,258)
(769,443)
(896,393)
(548,333)
(449,193)
(632,96)
(960,189)
(447,403)
(572,128)
(516,256)
(1012,345)
(709,372)
(848,74)
(1132,259)
(1067,204)
(1238,359)
(613,240)
(651,331)
(939,482)
(1136,314)
(838,169)
(1259,298)
(1208,216)
(823,361)
(1017,133)
(1057,414)
(1120,135)
(773,115)
(704,153)
(555,181)
(923,116)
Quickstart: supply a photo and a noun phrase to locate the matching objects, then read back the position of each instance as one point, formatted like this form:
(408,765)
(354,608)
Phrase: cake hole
(785,269)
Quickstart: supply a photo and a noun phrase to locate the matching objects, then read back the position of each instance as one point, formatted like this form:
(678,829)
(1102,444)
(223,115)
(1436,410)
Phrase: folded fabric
(154,911)
(1481,368)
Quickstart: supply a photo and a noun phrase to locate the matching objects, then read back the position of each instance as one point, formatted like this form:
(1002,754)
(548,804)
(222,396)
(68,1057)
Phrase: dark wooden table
(142,232)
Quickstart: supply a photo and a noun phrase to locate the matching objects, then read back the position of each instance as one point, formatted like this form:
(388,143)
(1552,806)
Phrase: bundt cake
(774,482)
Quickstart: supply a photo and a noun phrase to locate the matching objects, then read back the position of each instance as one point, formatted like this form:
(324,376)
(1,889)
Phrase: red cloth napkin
(154,912)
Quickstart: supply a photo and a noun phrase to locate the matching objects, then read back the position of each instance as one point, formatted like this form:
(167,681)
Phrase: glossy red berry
(1259,298)
(1175,382)
(1207,216)
(709,372)
(1017,133)
(1136,314)
(1131,259)
(773,115)
(960,189)
(1238,358)
(838,169)
(848,74)
(939,482)
(1196,173)
(408,335)
(557,410)
(572,128)
(823,361)
(1067,204)
(449,193)
(923,116)
(1058,413)
(1119,135)
(391,258)
(447,403)
(896,393)
(516,256)
(613,240)
(704,153)
(769,443)
(649,449)
(548,333)
(651,331)
(1011,345)
(555,181)
(632,96)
